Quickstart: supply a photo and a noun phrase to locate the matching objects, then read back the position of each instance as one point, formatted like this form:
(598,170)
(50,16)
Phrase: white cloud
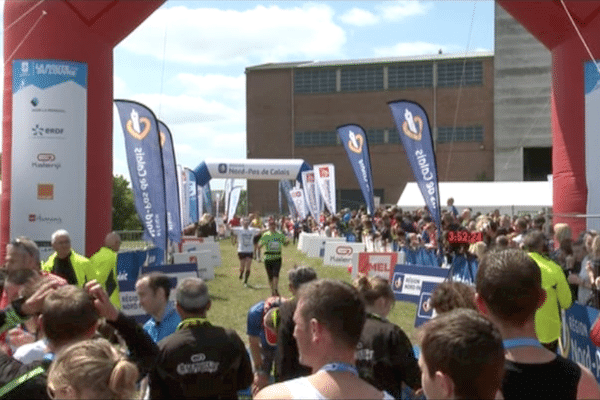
(359,17)
(398,10)
(187,109)
(208,36)
(414,49)
(226,87)
(119,87)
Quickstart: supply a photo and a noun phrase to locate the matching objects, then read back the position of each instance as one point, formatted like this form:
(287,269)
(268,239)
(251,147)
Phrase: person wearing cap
(199,360)
(273,241)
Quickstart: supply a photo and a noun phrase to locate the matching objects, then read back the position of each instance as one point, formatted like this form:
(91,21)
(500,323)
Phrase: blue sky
(187,60)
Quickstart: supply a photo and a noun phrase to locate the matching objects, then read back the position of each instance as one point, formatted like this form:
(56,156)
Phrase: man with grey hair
(64,262)
(199,360)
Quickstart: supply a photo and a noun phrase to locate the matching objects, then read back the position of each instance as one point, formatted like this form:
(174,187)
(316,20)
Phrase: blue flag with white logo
(357,147)
(144,158)
(171,185)
(191,192)
(413,127)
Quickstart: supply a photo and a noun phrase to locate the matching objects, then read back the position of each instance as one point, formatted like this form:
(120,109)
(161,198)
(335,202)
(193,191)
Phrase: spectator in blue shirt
(153,291)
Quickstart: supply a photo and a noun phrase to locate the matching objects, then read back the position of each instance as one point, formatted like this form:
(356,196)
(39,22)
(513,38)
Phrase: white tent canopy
(508,197)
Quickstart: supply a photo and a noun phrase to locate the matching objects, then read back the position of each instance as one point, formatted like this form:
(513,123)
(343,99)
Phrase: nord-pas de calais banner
(357,147)
(297,196)
(171,186)
(311,193)
(49,141)
(262,169)
(325,181)
(413,127)
(144,158)
(576,344)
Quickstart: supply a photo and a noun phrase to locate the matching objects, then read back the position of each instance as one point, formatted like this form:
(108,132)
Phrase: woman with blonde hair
(384,355)
(92,369)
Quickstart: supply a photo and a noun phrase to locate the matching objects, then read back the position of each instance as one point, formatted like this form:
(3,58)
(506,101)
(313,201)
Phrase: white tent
(508,197)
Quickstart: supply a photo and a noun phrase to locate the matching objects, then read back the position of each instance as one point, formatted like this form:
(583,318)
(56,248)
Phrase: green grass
(231,300)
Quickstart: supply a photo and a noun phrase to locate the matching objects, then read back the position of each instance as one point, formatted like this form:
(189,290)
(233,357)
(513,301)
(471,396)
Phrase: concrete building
(522,132)
(293,110)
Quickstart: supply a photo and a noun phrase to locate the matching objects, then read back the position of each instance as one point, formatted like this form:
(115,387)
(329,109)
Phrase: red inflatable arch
(549,23)
(79,32)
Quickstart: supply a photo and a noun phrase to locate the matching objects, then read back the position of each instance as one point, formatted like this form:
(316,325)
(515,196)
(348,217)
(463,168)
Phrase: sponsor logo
(40,131)
(324,172)
(310,177)
(163,138)
(34,102)
(296,193)
(41,218)
(45,160)
(46,157)
(398,282)
(344,250)
(412,126)
(426,306)
(134,124)
(55,69)
(45,191)
(222,168)
(356,142)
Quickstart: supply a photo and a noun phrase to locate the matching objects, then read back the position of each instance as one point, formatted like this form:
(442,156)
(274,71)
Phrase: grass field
(231,300)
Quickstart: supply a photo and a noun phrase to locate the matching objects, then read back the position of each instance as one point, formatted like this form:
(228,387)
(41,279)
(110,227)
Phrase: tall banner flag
(227,192)
(171,186)
(234,199)
(313,199)
(208,205)
(325,181)
(144,158)
(285,187)
(357,147)
(192,195)
(200,200)
(297,196)
(184,200)
(413,126)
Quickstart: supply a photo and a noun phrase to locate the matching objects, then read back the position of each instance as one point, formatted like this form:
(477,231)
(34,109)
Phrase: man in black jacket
(199,360)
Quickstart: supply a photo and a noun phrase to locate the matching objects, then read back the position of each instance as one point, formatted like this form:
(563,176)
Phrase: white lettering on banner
(151,220)
(55,69)
(363,170)
(427,176)
(45,165)
(577,326)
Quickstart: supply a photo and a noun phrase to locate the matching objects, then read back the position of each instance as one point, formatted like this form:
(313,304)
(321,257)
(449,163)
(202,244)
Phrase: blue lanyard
(521,342)
(339,367)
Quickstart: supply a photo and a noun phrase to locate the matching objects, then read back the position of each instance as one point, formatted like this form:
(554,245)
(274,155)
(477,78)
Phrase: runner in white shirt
(244,236)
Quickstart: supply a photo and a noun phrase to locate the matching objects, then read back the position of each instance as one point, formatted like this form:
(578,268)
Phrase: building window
(307,139)
(375,136)
(460,134)
(313,80)
(364,78)
(410,76)
(393,136)
(450,73)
